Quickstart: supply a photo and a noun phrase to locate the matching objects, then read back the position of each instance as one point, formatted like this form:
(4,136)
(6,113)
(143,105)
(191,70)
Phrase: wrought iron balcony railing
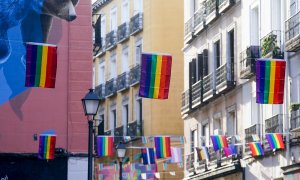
(99,48)
(108,133)
(118,135)
(123,32)
(208,87)
(225,5)
(224,77)
(111,40)
(100,91)
(247,63)
(292,33)
(199,20)
(185,103)
(211,10)
(254,129)
(110,87)
(122,81)
(134,75)
(270,45)
(189,162)
(295,120)
(189,26)
(136,23)
(274,124)
(135,129)
(197,94)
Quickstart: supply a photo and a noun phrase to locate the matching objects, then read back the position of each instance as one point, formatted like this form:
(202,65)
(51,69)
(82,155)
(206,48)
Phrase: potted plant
(270,48)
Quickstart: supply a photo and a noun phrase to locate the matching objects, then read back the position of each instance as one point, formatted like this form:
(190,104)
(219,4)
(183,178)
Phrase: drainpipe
(287,85)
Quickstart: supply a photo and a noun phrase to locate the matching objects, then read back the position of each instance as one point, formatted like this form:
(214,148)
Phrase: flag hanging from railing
(270,75)
(148,156)
(105,146)
(256,149)
(41,65)
(202,153)
(155,76)
(162,147)
(275,141)
(219,142)
(230,150)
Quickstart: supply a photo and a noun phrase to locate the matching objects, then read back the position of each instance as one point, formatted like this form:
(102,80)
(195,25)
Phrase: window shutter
(200,66)
(205,62)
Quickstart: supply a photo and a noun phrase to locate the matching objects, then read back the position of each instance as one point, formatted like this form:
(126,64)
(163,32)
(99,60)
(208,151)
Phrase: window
(254,26)
(101,72)
(138,51)
(276,15)
(139,110)
(125,60)
(103,29)
(217,54)
(113,67)
(138,6)
(205,135)
(113,119)
(231,124)
(196,5)
(194,144)
(113,19)
(125,11)
(101,125)
(230,55)
(125,118)
(93,76)
(293,7)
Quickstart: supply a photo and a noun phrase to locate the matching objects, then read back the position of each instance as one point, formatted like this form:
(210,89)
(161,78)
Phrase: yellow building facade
(128,28)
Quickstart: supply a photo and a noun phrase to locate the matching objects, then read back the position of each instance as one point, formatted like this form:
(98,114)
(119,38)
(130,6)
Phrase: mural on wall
(24,21)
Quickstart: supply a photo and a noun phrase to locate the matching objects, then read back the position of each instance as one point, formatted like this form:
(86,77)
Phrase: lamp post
(90,104)
(121,151)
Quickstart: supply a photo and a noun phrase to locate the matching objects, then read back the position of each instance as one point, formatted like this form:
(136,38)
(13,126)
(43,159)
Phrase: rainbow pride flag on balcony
(155,76)
(162,147)
(41,65)
(270,75)
(275,141)
(256,149)
(105,146)
(219,142)
(47,146)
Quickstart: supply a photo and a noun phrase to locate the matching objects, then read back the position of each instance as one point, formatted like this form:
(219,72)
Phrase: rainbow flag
(219,142)
(47,146)
(41,64)
(256,149)
(162,147)
(105,145)
(231,150)
(155,76)
(270,75)
(275,141)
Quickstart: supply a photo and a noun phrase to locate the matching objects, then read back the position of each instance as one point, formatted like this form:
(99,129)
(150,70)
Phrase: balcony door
(101,72)
(138,6)
(113,19)
(113,67)
(125,11)
(125,67)
(125,118)
(103,30)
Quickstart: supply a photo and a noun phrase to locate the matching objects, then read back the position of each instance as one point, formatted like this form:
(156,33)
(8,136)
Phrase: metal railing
(185,101)
(292,27)
(136,23)
(100,91)
(118,135)
(111,39)
(295,119)
(189,162)
(196,93)
(134,75)
(210,6)
(207,83)
(274,124)
(224,4)
(247,62)
(135,129)
(110,87)
(221,74)
(199,17)
(108,132)
(189,26)
(123,32)
(254,129)
(270,45)
(122,81)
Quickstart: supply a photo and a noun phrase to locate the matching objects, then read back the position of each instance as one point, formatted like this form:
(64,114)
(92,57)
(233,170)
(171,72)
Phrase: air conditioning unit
(218,132)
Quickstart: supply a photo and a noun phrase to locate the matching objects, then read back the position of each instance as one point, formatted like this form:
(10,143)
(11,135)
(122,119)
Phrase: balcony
(99,49)
(211,11)
(136,24)
(111,40)
(134,129)
(100,91)
(295,120)
(292,33)
(270,45)
(185,102)
(189,31)
(123,32)
(208,90)
(108,133)
(134,75)
(224,5)
(189,163)
(254,129)
(118,135)
(247,63)
(110,88)
(224,78)
(197,94)
(274,124)
(122,82)
(199,20)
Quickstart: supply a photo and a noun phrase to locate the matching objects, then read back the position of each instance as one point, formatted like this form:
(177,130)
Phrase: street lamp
(90,104)
(121,151)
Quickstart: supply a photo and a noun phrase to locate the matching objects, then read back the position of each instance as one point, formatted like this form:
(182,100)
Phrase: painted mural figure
(24,21)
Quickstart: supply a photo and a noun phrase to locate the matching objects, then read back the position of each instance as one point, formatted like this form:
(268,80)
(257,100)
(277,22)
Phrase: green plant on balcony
(269,45)
(295,106)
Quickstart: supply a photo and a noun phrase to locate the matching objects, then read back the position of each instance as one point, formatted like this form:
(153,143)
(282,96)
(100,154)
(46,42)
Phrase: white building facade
(223,38)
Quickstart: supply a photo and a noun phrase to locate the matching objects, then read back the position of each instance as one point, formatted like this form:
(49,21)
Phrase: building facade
(123,30)
(222,41)
(27,112)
